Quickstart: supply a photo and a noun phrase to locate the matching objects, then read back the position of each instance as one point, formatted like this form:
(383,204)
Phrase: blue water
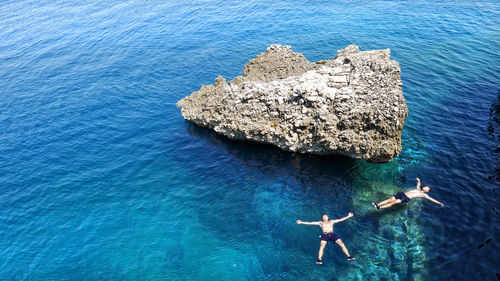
(102,179)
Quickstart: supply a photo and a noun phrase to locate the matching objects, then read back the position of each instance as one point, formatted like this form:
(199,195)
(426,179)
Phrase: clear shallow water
(101,178)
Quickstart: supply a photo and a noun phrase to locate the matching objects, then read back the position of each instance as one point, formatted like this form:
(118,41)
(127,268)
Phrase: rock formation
(351,105)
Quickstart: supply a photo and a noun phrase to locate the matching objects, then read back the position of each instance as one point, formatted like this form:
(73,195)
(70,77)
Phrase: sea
(101,178)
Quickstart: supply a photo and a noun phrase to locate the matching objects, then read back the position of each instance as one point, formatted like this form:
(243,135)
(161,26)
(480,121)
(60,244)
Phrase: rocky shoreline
(351,105)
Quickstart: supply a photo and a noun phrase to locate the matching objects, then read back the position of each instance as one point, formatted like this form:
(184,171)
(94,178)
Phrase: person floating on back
(403,197)
(328,235)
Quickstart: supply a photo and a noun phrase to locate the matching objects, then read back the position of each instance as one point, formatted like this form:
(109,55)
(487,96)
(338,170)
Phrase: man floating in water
(328,235)
(403,197)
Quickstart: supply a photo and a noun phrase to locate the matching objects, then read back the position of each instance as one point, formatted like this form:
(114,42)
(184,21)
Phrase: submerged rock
(351,105)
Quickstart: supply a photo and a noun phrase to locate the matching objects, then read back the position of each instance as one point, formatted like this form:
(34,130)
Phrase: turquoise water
(102,179)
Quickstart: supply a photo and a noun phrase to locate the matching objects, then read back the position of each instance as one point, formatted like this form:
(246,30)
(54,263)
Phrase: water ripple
(102,179)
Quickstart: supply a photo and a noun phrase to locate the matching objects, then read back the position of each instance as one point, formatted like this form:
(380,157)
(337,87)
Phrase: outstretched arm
(344,218)
(418,184)
(308,223)
(433,200)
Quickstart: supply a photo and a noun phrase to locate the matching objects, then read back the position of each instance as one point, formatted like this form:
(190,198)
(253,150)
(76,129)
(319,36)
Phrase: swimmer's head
(324,217)
(426,189)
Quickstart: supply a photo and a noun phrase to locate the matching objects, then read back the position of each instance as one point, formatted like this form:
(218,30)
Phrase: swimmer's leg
(390,200)
(321,249)
(395,202)
(343,247)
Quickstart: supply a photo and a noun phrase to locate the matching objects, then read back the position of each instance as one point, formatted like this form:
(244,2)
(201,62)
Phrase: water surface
(102,179)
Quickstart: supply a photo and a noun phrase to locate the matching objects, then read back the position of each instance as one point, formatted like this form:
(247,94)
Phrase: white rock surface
(352,105)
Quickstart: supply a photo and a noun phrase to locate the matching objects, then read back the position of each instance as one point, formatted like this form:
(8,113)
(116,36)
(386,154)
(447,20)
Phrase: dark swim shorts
(402,196)
(330,236)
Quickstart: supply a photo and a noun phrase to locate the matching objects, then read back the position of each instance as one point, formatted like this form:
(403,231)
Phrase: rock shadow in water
(269,159)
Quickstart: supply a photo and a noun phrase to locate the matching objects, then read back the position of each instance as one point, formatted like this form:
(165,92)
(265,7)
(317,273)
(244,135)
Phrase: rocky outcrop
(351,105)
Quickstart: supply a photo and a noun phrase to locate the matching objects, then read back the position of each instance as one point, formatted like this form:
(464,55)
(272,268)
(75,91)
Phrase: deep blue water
(102,179)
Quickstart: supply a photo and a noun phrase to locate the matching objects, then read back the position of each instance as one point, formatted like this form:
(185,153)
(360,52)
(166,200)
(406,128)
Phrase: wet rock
(351,105)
